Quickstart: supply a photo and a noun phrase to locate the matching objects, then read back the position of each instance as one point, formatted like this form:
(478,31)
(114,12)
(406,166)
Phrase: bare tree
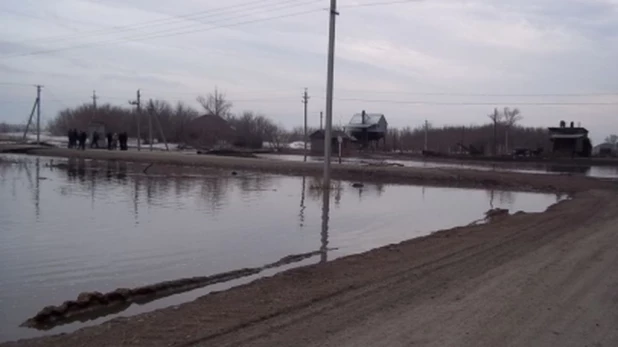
(496,117)
(215,104)
(511,117)
(612,139)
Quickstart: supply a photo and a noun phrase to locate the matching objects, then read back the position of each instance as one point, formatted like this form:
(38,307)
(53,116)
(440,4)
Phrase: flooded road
(69,229)
(521,167)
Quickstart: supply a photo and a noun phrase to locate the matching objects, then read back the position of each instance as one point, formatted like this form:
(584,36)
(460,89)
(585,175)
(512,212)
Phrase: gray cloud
(383,53)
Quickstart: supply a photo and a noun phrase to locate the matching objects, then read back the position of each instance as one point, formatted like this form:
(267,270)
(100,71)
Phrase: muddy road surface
(546,279)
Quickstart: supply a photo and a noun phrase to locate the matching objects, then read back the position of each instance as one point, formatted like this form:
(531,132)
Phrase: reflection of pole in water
(325,217)
(302,203)
(37,189)
(136,199)
(423,192)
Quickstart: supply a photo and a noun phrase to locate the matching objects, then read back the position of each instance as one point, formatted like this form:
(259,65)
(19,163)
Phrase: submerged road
(545,279)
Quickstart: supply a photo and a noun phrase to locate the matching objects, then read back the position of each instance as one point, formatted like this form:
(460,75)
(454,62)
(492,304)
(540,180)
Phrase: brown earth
(544,279)
(160,162)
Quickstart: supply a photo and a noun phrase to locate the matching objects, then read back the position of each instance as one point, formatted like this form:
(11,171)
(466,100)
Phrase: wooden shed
(317,142)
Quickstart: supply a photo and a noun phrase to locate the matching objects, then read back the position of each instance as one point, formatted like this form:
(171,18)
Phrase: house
(570,141)
(317,142)
(209,131)
(605,150)
(367,128)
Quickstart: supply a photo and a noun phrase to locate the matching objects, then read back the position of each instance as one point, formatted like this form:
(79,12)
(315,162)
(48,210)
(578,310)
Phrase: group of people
(114,140)
(78,140)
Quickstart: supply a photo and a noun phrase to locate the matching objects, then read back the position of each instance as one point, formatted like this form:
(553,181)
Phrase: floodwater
(66,230)
(522,167)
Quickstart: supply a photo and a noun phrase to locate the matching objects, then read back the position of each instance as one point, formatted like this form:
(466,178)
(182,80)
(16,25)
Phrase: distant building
(317,142)
(209,131)
(570,141)
(605,150)
(367,128)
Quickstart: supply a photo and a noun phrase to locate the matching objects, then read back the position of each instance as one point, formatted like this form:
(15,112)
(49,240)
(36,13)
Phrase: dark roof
(568,131)
(319,134)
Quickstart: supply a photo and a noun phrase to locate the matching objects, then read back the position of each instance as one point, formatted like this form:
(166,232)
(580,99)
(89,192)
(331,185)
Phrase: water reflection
(325,217)
(139,229)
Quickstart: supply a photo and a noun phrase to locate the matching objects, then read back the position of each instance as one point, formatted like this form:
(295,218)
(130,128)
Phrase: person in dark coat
(125,138)
(82,140)
(95,140)
(70,136)
(75,138)
(109,141)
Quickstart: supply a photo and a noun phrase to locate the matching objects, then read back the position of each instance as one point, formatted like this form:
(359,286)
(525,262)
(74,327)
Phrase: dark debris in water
(92,305)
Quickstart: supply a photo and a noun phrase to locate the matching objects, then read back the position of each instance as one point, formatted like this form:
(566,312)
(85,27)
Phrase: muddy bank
(92,305)
(176,163)
(527,276)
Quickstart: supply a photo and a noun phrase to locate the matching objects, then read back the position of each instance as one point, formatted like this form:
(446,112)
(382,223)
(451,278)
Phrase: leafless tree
(216,104)
(511,117)
(612,139)
(496,118)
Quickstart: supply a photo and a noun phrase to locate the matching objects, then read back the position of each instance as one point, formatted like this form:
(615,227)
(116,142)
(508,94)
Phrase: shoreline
(312,304)
(171,162)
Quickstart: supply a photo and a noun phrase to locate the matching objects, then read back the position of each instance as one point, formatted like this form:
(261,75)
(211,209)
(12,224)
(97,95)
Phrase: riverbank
(174,162)
(542,279)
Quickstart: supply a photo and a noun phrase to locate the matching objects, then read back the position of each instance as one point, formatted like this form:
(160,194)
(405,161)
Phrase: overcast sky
(450,62)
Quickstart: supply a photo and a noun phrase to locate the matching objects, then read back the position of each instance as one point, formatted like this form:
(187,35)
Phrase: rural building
(605,150)
(209,131)
(317,142)
(367,128)
(570,141)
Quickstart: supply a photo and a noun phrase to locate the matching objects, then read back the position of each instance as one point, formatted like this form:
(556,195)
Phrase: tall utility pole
(94,105)
(35,106)
(38,114)
(138,103)
(321,116)
(150,111)
(305,102)
(329,93)
(426,131)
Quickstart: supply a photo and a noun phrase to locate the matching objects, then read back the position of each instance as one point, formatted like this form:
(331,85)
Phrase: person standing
(109,141)
(95,140)
(70,136)
(83,137)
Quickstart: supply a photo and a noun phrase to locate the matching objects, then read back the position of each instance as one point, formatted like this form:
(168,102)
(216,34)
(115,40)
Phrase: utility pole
(139,116)
(305,102)
(150,111)
(426,131)
(35,106)
(321,116)
(94,104)
(38,114)
(329,93)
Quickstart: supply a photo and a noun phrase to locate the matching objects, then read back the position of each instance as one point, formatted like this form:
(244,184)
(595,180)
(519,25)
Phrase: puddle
(80,230)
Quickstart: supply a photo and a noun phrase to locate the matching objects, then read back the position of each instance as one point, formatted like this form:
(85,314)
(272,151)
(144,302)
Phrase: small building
(367,128)
(605,150)
(570,141)
(317,142)
(210,131)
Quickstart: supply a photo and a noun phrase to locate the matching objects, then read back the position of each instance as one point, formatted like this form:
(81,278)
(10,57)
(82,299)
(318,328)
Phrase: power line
(380,3)
(421,102)
(167,33)
(488,94)
(195,16)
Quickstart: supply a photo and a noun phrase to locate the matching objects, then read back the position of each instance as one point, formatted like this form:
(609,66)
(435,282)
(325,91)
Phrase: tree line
(501,135)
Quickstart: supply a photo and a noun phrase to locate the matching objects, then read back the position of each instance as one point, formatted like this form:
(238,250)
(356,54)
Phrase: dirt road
(544,279)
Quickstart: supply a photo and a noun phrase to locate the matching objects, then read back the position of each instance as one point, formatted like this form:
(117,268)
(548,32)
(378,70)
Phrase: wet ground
(70,229)
(521,167)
